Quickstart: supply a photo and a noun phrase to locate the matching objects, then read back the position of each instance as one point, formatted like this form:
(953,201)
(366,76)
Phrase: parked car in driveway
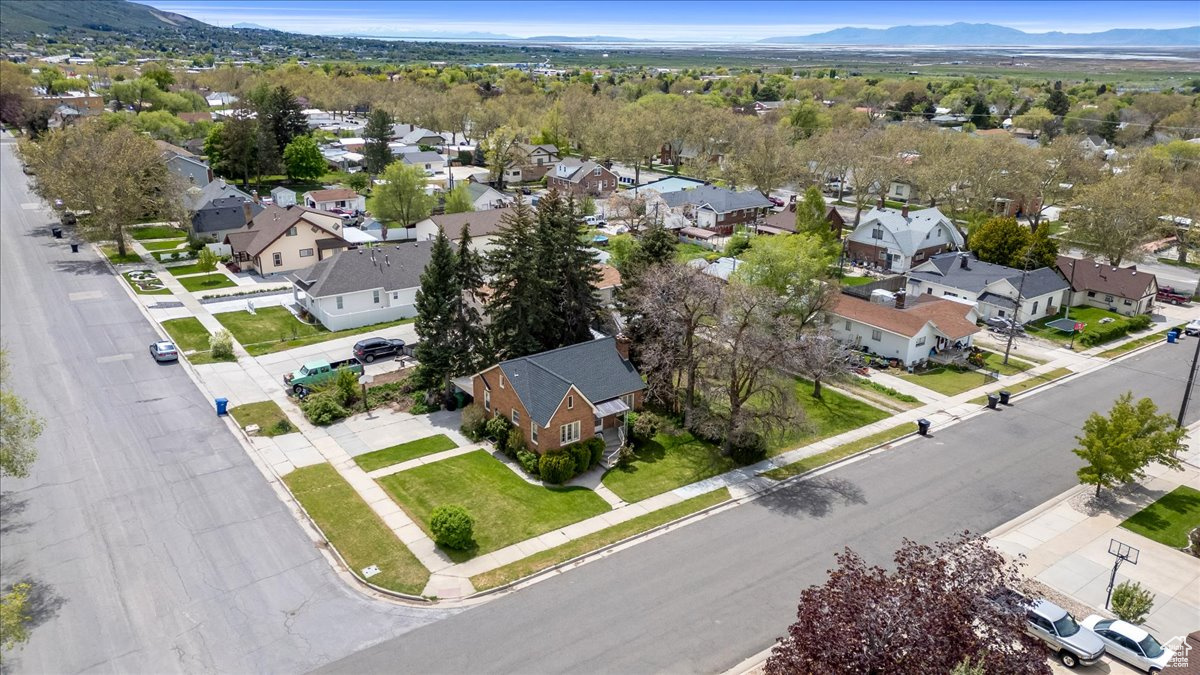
(377,348)
(775,201)
(1129,643)
(164,350)
(315,372)
(1073,643)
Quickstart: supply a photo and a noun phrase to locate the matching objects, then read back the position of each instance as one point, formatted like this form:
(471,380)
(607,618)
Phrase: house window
(883,255)
(516,418)
(627,399)
(876,335)
(1035,305)
(1128,303)
(291,231)
(920,341)
(339,302)
(487,399)
(1091,294)
(375,296)
(596,171)
(1001,314)
(1108,298)
(877,233)
(277,258)
(570,403)
(928,291)
(306,253)
(847,324)
(533,429)
(501,380)
(396,295)
(568,433)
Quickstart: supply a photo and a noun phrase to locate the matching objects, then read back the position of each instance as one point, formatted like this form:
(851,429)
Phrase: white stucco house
(363,286)
(910,330)
(899,239)
(992,288)
(338,198)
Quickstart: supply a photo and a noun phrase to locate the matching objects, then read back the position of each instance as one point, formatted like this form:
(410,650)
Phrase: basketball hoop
(1121,553)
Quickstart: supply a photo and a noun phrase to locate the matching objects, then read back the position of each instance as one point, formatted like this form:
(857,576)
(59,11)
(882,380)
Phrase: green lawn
(269,417)
(1175,262)
(1169,519)
(157,232)
(137,289)
(855,281)
(1026,384)
(832,414)
(685,252)
(404,452)
(273,329)
(193,268)
(188,333)
(586,544)
(842,451)
(355,531)
(506,508)
(995,362)
(665,463)
(1088,315)
(164,245)
(946,380)
(1140,342)
(207,282)
(110,252)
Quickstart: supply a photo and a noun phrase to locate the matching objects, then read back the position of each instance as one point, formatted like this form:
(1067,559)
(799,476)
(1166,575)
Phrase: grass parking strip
(274,329)
(163,245)
(1140,342)
(269,417)
(404,452)
(840,452)
(157,232)
(1169,519)
(354,530)
(1026,384)
(609,535)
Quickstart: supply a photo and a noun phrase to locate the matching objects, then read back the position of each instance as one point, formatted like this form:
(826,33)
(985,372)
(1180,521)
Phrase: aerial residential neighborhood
(476,337)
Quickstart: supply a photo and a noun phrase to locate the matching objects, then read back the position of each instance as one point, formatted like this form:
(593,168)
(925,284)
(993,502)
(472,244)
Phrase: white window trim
(277,259)
(876,334)
(568,433)
(487,399)
(533,432)
(516,417)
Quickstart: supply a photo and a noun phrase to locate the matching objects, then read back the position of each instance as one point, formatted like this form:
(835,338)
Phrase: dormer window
(877,233)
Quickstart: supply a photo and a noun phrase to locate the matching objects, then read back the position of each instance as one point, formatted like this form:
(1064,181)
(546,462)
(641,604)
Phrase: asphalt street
(709,595)
(153,543)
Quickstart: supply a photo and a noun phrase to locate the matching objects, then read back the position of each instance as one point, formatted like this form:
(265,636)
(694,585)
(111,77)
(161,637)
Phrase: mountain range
(991,35)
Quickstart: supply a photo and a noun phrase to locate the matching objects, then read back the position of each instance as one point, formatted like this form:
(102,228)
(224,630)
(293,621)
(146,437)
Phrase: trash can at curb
(993,400)
(1172,336)
(222,406)
(74,248)
(57,232)
(923,427)
(1004,397)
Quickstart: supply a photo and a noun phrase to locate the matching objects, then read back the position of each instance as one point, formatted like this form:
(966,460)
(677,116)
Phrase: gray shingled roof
(979,274)
(594,367)
(393,267)
(718,199)
(223,213)
(193,199)
(423,157)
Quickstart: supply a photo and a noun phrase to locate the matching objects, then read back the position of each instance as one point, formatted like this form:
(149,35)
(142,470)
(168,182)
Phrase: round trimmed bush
(556,467)
(529,461)
(597,447)
(452,527)
(581,454)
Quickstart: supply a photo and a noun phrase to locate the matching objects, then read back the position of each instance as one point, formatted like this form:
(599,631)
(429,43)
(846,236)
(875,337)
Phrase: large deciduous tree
(1119,446)
(793,268)
(1115,216)
(303,159)
(820,358)
(761,155)
(941,605)
(402,198)
(458,200)
(19,428)
(110,177)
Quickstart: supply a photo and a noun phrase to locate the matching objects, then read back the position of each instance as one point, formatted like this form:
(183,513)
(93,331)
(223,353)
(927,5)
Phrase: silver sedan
(164,350)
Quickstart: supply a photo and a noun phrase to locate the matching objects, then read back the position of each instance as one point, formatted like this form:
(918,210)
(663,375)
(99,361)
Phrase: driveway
(279,364)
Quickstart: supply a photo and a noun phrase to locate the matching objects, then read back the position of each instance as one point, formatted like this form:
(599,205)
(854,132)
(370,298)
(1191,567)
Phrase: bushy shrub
(747,447)
(647,424)
(385,393)
(422,404)
(474,421)
(1140,322)
(625,456)
(596,446)
(581,454)
(1194,542)
(282,427)
(452,527)
(322,408)
(514,443)
(220,344)
(1131,602)
(556,466)
(529,461)
(497,428)
(345,386)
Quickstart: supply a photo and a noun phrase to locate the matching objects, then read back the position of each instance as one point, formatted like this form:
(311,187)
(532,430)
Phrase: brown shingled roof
(335,195)
(1090,275)
(482,223)
(609,277)
(947,316)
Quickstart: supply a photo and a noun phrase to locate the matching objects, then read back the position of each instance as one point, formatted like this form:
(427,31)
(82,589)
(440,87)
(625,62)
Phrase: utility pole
(1187,390)
(1012,331)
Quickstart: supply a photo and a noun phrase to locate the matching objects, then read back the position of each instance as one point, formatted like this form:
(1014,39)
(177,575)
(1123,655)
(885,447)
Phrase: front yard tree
(304,160)
(518,302)
(234,147)
(19,428)
(820,357)
(458,200)
(1001,241)
(499,150)
(470,349)
(376,135)
(136,183)
(761,155)
(436,315)
(812,215)
(402,197)
(1117,215)
(1119,446)
(14,617)
(930,614)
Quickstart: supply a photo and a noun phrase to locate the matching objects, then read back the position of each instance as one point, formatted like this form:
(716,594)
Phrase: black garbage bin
(57,232)
(992,401)
(1004,397)
(923,427)
(74,247)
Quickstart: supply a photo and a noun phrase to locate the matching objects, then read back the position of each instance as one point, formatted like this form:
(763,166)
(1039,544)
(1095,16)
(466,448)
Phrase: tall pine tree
(281,116)
(376,135)
(518,301)
(571,274)
(470,348)
(436,317)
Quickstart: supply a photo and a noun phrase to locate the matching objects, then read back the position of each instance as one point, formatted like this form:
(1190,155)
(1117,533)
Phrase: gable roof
(946,269)
(196,197)
(947,316)
(392,267)
(481,223)
(223,213)
(334,195)
(478,190)
(1086,274)
(530,148)
(274,221)
(168,149)
(594,367)
(610,277)
(718,199)
(422,157)
(574,170)
(669,184)
(910,231)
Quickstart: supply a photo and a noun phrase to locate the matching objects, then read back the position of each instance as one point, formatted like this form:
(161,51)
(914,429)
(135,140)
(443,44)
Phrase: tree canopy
(1117,447)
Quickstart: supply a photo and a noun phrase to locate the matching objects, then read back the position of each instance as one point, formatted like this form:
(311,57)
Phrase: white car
(1193,327)
(1129,643)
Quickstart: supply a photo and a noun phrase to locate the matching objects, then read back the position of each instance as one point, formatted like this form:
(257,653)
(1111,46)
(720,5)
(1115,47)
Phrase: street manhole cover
(371,571)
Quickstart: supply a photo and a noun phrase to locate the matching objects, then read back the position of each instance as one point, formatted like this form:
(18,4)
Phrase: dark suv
(373,348)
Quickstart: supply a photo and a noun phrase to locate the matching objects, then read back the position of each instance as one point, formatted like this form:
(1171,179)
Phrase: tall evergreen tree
(574,279)
(281,115)
(377,133)
(655,247)
(435,318)
(518,301)
(470,348)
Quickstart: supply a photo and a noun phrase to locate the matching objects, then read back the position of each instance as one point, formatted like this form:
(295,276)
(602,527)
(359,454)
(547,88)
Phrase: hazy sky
(695,20)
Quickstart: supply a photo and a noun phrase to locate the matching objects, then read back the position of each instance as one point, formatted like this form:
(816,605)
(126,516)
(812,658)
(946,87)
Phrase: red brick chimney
(900,298)
(622,344)
(881,203)
(904,211)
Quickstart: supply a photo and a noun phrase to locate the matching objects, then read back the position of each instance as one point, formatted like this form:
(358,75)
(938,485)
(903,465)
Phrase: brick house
(576,177)
(897,240)
(784,222)
(717,209)
(564,395)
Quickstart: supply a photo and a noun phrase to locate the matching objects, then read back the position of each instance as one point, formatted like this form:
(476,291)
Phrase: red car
(1171,295)
(776,201)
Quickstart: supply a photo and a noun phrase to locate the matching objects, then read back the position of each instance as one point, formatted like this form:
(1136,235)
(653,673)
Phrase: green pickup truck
(315,372)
